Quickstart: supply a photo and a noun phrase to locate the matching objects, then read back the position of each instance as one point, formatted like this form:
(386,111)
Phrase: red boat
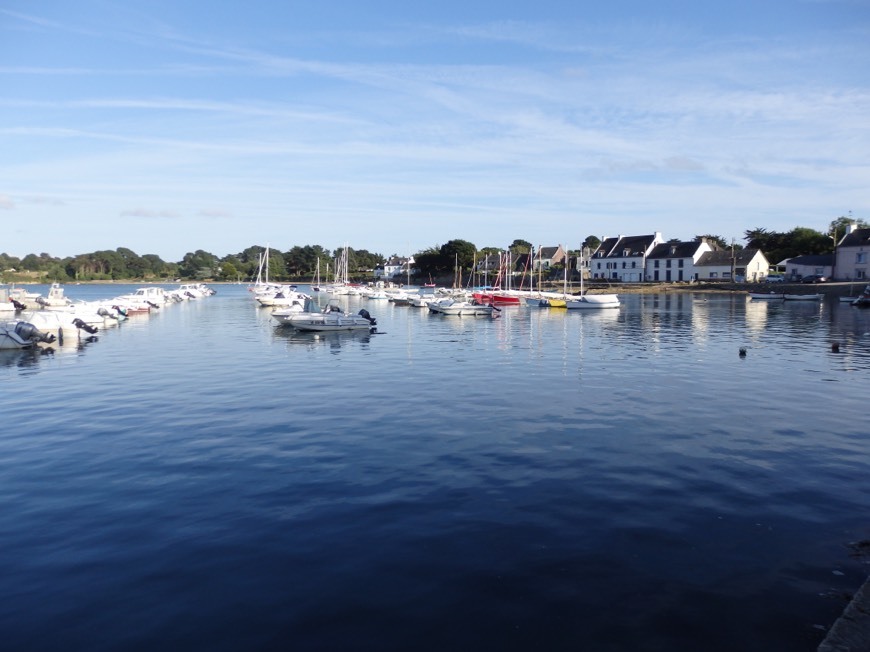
(496,299)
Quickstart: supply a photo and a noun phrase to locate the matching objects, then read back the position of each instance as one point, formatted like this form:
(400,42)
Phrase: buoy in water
(835,347)
(742,351)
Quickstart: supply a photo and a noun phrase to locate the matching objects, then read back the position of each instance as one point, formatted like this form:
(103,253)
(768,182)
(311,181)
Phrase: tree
(840,226)
(199,264)
(460,250)
(136,267)
(431,262)
(229,271)
(592,242)
(520,247)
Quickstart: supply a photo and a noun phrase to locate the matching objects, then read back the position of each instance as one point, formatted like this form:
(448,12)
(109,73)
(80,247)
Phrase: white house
(800,266)
(394,266)
(852,258)
(623,258)
(726,265)
(675,261)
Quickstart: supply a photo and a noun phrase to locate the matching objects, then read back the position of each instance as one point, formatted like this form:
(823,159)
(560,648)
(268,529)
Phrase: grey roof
(723,257)
(675,250)
(636,245)
(605,247)
(857,238)
(816,260)
(549,252)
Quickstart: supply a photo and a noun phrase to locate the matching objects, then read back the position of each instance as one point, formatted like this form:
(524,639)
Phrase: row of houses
(635,259)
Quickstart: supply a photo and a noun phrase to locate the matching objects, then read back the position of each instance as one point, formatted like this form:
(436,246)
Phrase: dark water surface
(201,480)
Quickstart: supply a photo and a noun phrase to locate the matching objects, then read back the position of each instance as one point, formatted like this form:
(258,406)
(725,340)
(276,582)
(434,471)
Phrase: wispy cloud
(6,202)
(149,214)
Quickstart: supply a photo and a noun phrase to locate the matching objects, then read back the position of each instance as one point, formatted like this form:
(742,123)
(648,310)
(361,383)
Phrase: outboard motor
(365,315)
(153,305)
(189,295)
(27,331)
(122,312)
(82,326)
(17,305)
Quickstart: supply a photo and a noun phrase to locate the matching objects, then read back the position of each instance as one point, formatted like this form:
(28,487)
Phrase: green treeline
(300,262)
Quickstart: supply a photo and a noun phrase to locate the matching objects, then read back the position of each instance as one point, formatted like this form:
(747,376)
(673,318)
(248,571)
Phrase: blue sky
(167,126)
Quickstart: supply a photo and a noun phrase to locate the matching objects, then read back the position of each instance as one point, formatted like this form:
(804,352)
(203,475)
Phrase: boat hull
(766,296)
(802,297)
(310,323)
(593,302)
(496,299)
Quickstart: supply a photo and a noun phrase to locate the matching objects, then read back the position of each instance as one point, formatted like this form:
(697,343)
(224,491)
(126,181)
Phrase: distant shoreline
(834,288)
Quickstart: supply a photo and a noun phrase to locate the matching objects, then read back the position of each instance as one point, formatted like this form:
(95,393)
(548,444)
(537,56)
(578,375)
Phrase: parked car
(775,278)
(814,278)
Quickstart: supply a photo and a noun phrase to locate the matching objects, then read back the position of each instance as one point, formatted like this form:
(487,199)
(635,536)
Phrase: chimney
(851,228)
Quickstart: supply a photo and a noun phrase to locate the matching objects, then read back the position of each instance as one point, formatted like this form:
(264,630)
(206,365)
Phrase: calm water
(201,480)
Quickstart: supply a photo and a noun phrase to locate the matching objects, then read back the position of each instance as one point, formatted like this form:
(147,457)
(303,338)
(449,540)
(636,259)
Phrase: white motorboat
(65,324)
(22,335)
(461,308)
(332,318)
(142,300)
(592,302)
(284,296)
(55,299)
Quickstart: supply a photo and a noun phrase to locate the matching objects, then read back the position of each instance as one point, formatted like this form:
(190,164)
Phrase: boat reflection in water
(333,340)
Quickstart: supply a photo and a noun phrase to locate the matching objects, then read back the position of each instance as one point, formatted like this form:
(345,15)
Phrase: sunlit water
(200,479)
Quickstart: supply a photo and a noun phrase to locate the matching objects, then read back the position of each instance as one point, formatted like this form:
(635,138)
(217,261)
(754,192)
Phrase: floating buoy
(742,351)
(835,347)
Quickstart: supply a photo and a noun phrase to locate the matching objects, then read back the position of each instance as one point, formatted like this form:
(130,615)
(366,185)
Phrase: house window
(656,264)
(861,257)
(726,274)
(860,274)
(623,264)
(714,275)
(680,263)
(668,263)
(634,264)
(598,265)
(626,252)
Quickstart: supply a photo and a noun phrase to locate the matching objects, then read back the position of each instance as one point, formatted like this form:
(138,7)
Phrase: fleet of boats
(29,320)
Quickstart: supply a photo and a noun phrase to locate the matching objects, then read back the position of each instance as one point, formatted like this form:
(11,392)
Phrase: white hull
(322,322)
(769,296)
(16,335)
(332,319)
(802,297)
(593,302)
(460,308)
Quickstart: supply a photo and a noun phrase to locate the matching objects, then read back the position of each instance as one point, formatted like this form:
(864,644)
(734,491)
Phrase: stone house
(546,257)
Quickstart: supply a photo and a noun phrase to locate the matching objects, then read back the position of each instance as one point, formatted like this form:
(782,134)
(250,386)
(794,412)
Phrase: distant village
(840,255)
(649,258)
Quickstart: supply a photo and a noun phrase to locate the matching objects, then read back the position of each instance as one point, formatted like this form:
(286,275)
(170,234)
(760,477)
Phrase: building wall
(853,264)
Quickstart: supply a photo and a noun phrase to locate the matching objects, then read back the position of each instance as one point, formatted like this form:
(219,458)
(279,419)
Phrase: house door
(668,276)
